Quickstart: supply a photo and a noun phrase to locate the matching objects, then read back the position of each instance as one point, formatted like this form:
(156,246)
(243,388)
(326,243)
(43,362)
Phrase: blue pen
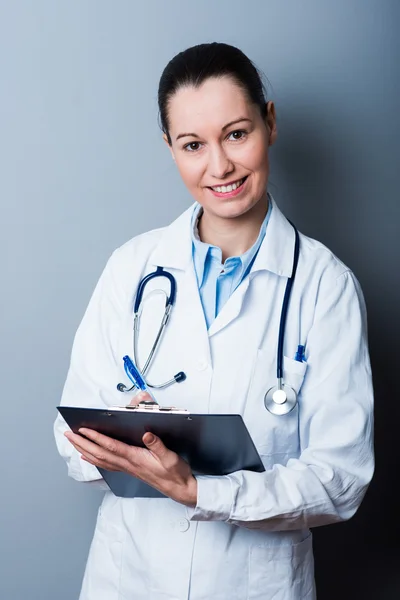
(135,376)
(300,353)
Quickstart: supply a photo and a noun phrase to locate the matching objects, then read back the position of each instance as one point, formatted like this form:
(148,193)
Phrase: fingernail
(150,438)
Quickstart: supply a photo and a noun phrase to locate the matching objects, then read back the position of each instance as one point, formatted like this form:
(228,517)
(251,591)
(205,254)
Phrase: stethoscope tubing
(285,305)
(159,272)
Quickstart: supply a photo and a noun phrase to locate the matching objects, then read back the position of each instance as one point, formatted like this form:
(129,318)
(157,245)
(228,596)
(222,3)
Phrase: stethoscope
(278,400)
(282,398)
(169,303)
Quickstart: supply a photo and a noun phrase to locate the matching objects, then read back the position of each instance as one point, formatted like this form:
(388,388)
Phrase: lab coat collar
(277,250)
(174,250)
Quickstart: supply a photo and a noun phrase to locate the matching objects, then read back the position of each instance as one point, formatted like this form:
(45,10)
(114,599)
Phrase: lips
(227,188)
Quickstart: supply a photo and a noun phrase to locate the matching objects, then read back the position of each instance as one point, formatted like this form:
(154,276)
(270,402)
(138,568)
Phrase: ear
(169,146)
(270,121)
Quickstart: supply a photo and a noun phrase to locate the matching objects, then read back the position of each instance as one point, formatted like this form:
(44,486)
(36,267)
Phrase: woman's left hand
(156,465)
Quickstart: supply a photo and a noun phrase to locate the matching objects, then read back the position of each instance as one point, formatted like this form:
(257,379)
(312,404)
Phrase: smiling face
(220,141)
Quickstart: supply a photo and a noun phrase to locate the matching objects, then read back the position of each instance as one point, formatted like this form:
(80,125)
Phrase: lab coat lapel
(275,255)
(231,309)
(191,314)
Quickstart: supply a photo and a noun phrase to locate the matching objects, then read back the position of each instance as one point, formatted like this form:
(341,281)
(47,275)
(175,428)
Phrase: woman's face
(220,141)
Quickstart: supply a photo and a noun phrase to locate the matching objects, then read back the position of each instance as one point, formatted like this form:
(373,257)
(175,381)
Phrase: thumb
(153,443)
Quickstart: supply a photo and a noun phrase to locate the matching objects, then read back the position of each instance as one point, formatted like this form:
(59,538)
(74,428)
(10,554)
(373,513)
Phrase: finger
(98,456)
(86,446)
(104,441)
(85,454)
(100,464)
(111,462)
(155,445)
(140,397)
(93,460)
(79,441)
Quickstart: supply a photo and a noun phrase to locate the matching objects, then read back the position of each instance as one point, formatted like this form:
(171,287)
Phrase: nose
(220,165)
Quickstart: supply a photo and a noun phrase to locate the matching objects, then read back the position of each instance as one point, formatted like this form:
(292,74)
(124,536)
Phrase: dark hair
(198,63)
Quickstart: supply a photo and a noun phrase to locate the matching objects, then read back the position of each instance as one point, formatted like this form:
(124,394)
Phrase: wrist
(188,495)
(192,492)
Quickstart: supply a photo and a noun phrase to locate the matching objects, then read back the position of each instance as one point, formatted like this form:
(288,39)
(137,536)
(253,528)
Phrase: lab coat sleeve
(327,482)
(93,373)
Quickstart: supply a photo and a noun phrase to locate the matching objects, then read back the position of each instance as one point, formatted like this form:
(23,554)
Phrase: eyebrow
(240,120)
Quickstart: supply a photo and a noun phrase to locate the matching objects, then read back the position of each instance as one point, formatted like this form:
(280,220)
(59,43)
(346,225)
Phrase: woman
(245,535)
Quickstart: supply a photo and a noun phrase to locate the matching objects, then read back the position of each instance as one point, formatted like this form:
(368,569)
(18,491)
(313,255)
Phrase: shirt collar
(200,250)
(174,247)
(203,252)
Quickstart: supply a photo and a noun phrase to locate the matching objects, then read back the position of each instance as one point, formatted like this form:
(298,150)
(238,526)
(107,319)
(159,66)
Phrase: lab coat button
(202,365)
(183,525)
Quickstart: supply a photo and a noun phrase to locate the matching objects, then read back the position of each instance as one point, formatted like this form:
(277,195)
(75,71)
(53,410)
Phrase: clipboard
(212,444)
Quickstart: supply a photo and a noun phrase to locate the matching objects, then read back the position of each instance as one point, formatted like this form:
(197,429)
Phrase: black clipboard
(212,444)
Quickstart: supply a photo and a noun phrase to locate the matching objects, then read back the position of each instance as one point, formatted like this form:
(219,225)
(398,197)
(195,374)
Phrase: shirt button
(202,365)
(183,525)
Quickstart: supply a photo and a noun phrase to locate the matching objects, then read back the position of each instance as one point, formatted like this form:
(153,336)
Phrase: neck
(234,236)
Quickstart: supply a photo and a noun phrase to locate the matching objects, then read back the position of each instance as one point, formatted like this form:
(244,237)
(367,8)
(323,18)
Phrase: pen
(136,377)
(300,354)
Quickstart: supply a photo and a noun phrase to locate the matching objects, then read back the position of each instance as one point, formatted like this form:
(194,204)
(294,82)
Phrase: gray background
(83,168)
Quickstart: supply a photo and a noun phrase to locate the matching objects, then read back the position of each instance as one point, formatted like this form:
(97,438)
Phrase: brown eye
(192,147)
(237,135)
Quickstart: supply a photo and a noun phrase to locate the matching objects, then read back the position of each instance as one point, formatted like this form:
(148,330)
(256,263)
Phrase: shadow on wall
(334,199)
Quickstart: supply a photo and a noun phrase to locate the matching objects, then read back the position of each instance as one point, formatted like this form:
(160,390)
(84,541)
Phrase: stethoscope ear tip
(179,377)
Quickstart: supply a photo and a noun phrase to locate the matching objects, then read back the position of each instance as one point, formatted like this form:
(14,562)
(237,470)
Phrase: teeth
(223,189)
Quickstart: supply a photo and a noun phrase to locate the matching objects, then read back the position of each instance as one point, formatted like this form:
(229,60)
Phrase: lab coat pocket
(282,572)
(276,436)
(103,569)
(294,373)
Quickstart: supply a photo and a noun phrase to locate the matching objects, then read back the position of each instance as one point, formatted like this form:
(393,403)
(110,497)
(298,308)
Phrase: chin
(233,209)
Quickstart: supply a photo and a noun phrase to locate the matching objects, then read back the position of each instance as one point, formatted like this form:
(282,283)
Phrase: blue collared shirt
(218,281)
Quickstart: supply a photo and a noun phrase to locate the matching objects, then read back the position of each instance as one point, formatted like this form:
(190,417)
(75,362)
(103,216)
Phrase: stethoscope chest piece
(280,400)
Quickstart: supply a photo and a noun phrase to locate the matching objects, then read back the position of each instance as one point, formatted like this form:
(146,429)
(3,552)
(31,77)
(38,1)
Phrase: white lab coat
(248,537)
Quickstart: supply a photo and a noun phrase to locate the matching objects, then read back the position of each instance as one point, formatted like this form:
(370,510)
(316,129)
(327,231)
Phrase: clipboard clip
(154,407)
